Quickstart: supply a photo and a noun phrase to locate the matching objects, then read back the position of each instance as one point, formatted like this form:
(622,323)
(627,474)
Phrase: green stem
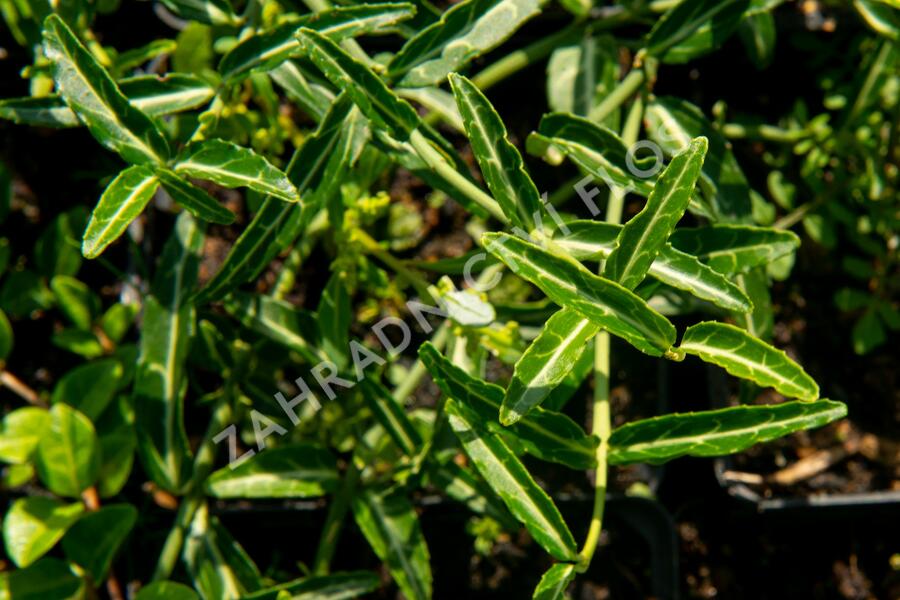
(334,521)
(302,249)
(626,88)
(374,248)
(769,133)
(418,371)
(436,161)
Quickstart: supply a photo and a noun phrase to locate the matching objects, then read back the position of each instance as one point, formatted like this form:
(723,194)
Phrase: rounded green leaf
(34,525)
(68,456)
(22,430)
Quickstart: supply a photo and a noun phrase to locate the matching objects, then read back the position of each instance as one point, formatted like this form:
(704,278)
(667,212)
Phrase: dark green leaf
(214,12)
(68,456)
(89,387)
(302,470)
(48,578)
(166,590)
(735,248)
(337,586)
(93,541)
(197,201)
(691,28)
(392,417)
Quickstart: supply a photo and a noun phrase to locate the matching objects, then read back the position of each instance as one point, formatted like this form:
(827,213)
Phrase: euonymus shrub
(223,348)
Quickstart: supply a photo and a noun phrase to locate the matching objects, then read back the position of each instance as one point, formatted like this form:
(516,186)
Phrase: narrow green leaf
(546,363)
(465,31)
(594,240)
(512,482)
(33,526)
(197,201)
(76,300)
(277,320)
(389,522)
(337,586)
(213,12)
(89,387)
(434,99)
(68,456)
(121,203)
(159,385)
(392,417)
(554,582)
(314,165)
(745,356)
(467,486)
(89,91)
(301,470)
(378,102)
(571,285)
(166,590)
(594,148)
(687,19)
(735,248)
(500,161)
(547,435)
(266,50)
(333,315)
(581,74)
(645,234)
(217,564)
(47,578)
(312,97)
(716,432)
(22,430)
(231,165)
(6,336)
(93,541)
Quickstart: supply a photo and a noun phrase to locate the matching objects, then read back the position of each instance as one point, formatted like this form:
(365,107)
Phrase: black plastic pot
(718,390)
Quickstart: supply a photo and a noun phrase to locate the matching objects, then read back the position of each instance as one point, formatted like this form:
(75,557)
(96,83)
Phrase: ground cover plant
(322,267)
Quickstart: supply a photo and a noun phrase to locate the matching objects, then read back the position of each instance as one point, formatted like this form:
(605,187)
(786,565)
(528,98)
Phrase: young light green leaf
(33,526)
(547,435)
(745,356)
(735,248)
(93,541)
(315,165)
(312,97)
(512,482)
(465,31)
(645,234)
(392,417)
(500,162)
(571,285)
(121,203)
(581,74)
(554,582)
(716,432)
(595,149)
(68,456)
(231,165)
(213,12)
(166,590)
(337,586)
(172,93)
(159,385)
(266,50)
(301,470)
(197,201)
(594,240)
(22,430)
(89,91)
(47,578)
(378,102)
(89,387)
(389,522)
(546,363)
(217,564)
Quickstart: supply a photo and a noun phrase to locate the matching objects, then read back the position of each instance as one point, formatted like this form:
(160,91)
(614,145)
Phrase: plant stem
(769,133)
(439,165)
(374,248)
(626,88)
(418,370)
(21,389)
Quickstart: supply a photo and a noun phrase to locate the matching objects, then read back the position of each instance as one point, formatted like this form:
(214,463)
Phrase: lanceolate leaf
(34,525)
(745,356)
(512,482)
(554,582)
(159,385)
(303,470)
(337,586)
(683,21)
(389,522)
(546,362)
(277,320)
(214,12)
(581,74)
(156,96)
(275,222)
(502,166)
(645,234)
(392,417)
(735,248)
(569,284)
(465,32)
(197,201)
(381,105)
(547,435)
(121,203)
(89,91)
(68,456)
(595,149)
(594,240)
(716,432)
(466,486)
(268,49)
(235,166)
(711,33)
